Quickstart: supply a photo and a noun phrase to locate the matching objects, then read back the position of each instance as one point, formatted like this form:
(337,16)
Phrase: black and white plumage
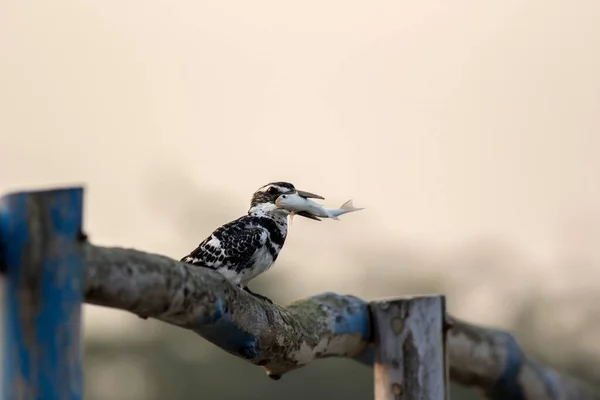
(248,246)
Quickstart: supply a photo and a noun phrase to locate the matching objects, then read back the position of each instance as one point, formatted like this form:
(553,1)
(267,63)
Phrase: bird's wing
(231,246)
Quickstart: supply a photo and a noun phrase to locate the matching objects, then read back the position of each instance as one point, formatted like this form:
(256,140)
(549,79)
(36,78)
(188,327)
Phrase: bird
(246,247)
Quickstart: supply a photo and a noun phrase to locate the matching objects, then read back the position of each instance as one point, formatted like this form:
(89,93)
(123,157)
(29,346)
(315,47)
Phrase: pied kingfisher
(246,247)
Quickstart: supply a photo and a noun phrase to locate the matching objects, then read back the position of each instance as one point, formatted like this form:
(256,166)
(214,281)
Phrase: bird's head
(263,200)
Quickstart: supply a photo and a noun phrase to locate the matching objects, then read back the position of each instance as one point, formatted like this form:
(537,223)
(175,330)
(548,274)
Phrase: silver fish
(295,204)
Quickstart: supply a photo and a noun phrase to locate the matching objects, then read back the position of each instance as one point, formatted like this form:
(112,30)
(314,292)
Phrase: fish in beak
(308,195)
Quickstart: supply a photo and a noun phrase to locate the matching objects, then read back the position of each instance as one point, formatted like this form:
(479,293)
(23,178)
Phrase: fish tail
(349,207)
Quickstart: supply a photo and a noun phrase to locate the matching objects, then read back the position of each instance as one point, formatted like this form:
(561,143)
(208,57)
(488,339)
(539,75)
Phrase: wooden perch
(284,338)
(278,338)
(42,252)
(492,361)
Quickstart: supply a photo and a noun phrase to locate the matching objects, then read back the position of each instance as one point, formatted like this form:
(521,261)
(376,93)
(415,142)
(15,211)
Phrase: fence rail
(50,268)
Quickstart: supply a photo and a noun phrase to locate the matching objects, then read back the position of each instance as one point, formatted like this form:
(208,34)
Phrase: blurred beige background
(469,130)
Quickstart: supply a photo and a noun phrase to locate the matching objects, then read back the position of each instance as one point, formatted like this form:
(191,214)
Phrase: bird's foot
(260,296)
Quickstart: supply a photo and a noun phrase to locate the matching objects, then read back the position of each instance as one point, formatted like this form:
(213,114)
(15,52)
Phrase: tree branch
(282,339)
(277,338)
(493,361)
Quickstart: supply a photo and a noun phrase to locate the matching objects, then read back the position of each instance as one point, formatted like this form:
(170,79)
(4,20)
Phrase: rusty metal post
(410,348)
(42,265)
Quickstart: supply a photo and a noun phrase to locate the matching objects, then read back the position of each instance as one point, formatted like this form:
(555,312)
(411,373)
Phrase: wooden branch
(493,361)
(282,339)
(410,341)
(278,338)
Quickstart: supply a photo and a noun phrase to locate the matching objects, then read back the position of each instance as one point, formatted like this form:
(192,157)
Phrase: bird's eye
(272,190)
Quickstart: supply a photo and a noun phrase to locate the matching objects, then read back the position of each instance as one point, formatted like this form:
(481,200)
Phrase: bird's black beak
(308,215)
(308,195)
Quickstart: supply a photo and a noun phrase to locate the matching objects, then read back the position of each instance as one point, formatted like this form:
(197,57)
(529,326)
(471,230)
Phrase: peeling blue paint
(354,319)
(549,378)
(507,386)
(43,295)
(219,329)
(218,312)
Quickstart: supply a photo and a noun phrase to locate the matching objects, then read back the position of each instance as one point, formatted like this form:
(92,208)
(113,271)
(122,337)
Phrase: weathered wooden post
(42,265)
(410,348)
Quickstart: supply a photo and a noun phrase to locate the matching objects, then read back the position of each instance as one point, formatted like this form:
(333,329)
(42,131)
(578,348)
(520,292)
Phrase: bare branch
(280,339)
(493,361)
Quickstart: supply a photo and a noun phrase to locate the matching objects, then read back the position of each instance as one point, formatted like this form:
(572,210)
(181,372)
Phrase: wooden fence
(415,347)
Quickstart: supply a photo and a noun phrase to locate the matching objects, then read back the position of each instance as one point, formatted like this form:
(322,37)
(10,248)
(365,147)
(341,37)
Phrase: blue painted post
(42,264)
